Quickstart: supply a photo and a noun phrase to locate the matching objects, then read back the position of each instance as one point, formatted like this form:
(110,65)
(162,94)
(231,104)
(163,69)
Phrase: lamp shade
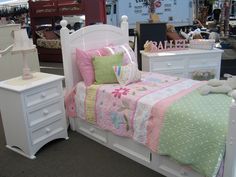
(22,42)
(3,21)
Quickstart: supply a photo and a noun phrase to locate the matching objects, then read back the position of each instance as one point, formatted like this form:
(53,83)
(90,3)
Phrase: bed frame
(95,36)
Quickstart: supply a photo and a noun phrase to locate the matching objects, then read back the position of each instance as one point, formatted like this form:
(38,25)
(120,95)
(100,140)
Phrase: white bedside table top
(18,84)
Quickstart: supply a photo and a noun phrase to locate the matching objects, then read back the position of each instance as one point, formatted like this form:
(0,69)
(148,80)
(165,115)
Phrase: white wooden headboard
(89,37)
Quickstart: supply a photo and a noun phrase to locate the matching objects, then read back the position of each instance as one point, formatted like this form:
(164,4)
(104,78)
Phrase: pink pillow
(129,55)
(85,65)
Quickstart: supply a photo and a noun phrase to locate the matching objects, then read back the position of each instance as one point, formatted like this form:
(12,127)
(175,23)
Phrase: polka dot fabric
(194,133)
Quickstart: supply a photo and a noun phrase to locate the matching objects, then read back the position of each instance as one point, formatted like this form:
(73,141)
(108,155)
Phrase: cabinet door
(204,66)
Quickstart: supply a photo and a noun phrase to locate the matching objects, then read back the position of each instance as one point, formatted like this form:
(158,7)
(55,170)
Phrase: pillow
(127,74)
(85,65)
(173,36)
(50,35)
(129,55)
(103,68)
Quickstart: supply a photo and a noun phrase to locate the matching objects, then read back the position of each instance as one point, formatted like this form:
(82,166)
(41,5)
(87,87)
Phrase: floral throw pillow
(127,74)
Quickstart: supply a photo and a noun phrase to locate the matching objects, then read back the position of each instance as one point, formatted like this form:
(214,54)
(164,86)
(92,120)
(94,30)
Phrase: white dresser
(189,63)
(11,65)
(32,112)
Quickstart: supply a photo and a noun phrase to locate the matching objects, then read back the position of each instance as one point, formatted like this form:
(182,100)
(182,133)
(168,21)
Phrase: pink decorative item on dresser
(153,46)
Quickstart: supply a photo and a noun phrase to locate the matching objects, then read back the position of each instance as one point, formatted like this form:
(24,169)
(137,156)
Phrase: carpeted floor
(76,157)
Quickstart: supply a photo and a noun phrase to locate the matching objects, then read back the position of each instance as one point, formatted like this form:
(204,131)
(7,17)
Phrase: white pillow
(127,74)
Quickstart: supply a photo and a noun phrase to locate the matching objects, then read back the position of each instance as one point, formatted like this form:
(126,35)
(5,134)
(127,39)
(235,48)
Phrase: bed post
(66,57)
(230,157)
(64,34)
(124,25)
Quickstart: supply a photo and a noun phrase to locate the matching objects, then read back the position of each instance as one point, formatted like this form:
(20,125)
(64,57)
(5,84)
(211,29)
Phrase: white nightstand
(183,63)
(32,112)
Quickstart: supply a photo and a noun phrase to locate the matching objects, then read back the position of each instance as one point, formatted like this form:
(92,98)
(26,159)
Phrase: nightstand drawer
(167,65)
(42,134)
(40,95)
(49,111)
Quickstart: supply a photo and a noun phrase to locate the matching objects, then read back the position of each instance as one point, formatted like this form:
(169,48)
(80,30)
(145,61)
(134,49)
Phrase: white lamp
(22,44)
(3,21)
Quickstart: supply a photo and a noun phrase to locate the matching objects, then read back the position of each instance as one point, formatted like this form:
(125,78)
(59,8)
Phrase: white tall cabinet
(11,65)
(32,112)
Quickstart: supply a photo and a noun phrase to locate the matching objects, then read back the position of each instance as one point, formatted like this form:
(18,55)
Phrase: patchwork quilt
(166,114)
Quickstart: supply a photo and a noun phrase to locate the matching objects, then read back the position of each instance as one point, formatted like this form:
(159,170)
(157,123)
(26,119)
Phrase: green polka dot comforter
(194,131)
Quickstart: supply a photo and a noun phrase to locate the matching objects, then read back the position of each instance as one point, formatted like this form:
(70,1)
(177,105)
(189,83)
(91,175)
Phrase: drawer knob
(43,95)
(92,130)
(48,130)
(45,112)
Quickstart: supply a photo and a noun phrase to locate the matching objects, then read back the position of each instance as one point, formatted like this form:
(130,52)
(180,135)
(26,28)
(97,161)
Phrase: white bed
(96,36)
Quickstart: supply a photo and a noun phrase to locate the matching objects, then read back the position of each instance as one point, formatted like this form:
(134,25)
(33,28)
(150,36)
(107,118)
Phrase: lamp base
(26,74)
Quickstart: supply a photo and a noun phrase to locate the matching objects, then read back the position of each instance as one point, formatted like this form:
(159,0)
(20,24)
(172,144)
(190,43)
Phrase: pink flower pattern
(70,103)
(120,91)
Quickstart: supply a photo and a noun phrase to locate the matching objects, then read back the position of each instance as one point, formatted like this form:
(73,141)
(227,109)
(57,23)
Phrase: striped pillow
(127,74)
(129,55)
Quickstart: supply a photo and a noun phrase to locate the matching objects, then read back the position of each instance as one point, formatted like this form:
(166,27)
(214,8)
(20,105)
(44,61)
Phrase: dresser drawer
(176,73)
(43,94)
(203,62)
(167,65)
(52,129)
(47,112)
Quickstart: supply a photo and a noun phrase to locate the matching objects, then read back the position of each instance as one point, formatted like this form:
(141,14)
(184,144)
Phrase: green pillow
(103,68)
